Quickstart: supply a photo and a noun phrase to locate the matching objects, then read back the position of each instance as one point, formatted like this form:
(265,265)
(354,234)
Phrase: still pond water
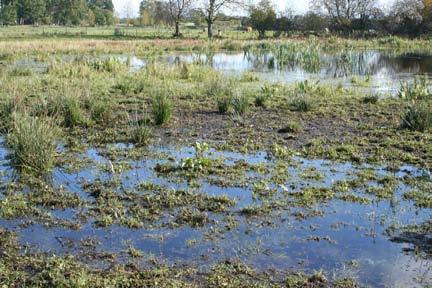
(341,237)
(369,71)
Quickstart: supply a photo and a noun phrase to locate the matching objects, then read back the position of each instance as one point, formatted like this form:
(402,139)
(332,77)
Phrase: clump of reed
(418,90)
(240,103)
(301,103)
(7,108)
(266,93)
(418,117)
(370,99)
(32,141)
(73,113)
(101,111)
(161,108)
(109,65)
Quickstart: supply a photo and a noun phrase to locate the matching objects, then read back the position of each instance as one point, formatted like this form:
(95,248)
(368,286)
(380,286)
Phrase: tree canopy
(60,12)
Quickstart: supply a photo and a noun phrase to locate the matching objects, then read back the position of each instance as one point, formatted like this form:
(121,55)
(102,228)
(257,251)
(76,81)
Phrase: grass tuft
(161,109)
(73,114)
(142,135)
(33,144)
(240,103)
(418,117)
(370,99)
(301,104)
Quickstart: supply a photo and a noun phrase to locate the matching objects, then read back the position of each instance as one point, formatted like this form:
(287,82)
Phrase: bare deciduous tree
(408,10)
(212,8)
(177,10)
(344,11)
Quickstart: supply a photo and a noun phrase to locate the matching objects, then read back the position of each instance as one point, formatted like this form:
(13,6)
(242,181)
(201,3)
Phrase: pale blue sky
(299,6)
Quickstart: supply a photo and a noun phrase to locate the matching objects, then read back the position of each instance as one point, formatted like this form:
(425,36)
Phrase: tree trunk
(177,29)
(210,29)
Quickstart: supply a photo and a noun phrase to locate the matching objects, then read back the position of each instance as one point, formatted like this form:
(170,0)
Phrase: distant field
(122,32)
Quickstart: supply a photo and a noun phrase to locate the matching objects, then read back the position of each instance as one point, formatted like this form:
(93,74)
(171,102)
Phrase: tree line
(411,17)
(59,12)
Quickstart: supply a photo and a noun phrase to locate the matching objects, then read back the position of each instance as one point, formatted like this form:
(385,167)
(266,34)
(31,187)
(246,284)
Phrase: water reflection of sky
(356,229)
(386,70)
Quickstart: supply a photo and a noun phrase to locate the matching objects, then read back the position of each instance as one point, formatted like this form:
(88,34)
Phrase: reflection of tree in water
(372,63)
(264,60)
(420,236)
(363,63)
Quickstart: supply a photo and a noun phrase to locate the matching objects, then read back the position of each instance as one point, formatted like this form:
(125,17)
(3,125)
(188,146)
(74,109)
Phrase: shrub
(32,141)
(418,117)
(161,109)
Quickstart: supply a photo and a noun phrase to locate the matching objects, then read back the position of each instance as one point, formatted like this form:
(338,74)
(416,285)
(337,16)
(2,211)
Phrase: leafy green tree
(103,11)
(69,12)
(263,17)
(8,13)
(147,11)
(31,11)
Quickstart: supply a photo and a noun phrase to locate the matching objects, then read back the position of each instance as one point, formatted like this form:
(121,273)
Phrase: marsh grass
(110,65)
(21,72)
(301,103)
(264,95)
(7,109)
(142,133)
(33,144)
(370,99)
(418,90)
(418,117)
(161,108)
(305,55)
(73,113)
(224,104)
(101,111)
(240,103)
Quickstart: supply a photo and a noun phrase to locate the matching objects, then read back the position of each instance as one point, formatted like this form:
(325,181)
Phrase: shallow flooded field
(217,169)
(266,210)
(368,71)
